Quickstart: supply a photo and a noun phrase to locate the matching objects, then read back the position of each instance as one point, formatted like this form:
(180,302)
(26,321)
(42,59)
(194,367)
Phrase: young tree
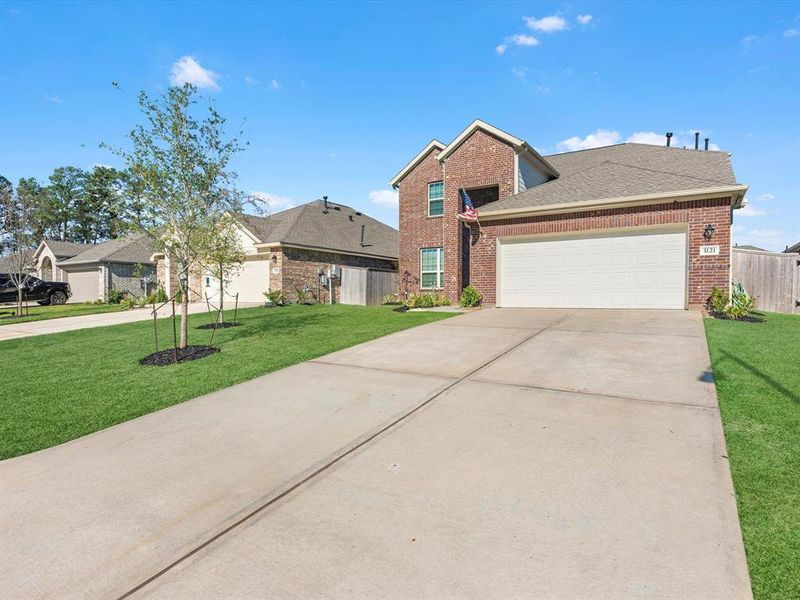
(16,236)
(181,162)
(64,193)
(224,257)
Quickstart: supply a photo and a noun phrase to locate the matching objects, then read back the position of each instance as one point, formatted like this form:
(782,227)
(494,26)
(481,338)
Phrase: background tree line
(79,206)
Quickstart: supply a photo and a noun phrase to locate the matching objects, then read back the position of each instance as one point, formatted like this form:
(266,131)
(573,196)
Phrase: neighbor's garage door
(642,269)
(250,283)
(85,285)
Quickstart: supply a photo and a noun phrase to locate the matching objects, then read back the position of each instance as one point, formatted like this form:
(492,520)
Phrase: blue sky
(338,97)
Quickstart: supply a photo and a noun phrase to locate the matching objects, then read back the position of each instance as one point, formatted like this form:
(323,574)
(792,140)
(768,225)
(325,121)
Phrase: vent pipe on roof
(325,202)
(696,140)
(669,138)
(706,143)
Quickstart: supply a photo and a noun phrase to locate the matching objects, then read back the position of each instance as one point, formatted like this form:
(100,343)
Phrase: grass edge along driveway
(62,386)
(45,313)
(757,374)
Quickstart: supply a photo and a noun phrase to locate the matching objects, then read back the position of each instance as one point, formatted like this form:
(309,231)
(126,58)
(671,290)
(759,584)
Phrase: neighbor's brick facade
(484,161)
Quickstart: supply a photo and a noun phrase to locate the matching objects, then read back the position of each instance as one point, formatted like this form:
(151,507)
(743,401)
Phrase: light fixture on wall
(708,231)
(274,258)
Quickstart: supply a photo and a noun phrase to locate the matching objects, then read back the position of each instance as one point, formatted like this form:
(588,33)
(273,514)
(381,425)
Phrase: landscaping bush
(305,296)
(161,295)
(717,301)
(470,296)
(426,300)
(392,299)
(127,302)
(116,296)
(275,298)
(740,305)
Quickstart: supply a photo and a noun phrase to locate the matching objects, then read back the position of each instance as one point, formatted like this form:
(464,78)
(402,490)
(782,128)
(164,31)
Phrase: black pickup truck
(33,288)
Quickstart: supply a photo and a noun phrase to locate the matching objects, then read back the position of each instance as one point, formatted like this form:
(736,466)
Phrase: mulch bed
(751,318)
(164,358)
(224,325)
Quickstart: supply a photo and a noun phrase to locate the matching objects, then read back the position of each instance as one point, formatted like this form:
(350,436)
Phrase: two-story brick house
(623,226)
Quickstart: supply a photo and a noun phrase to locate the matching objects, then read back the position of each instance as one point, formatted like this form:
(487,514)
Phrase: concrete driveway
(501,454)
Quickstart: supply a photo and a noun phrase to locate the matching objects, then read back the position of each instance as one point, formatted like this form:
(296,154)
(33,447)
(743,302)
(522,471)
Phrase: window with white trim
(436,199)
(431,268)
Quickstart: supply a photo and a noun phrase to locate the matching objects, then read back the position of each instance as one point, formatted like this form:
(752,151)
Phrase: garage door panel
(631,270)
(85,285)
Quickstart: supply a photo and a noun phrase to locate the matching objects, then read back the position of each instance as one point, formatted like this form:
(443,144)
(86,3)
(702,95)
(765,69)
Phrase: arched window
(46,269)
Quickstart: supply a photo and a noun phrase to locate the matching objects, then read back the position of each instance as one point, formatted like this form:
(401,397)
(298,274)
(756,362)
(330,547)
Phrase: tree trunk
(221,294)
(184,317)
(19,301)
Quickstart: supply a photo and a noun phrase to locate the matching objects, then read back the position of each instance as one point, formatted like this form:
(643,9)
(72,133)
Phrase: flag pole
(477,220)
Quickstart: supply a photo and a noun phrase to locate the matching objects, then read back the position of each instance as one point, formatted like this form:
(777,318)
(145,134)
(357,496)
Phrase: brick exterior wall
(417,229)
(128,278)
(299,267)
(704,272)
(481,161)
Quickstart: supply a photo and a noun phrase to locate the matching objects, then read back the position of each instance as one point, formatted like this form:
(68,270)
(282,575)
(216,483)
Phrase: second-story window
(436,199)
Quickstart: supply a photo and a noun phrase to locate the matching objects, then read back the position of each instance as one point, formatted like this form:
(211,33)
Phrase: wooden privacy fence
(772,277)
(366,286)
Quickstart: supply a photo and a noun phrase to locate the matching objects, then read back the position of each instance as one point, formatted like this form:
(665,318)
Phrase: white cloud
(521,39)
(748,210)
(584,19)
(388,198)
(791,32)
(54,98)
(546,24)
(749,40)
(275,84)
(520,73)
(187,70)
(274,203)
(601,137)
(769,239)
(766,197)
(250,80)
(648,137)
(501,48)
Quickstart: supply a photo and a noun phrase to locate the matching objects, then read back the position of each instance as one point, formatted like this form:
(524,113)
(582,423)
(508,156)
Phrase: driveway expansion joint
(331,463)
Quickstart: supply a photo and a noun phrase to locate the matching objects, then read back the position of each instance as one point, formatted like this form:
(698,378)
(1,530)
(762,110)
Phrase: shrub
(275,298)
(718,300)
(161,295)
(470,296)
(305,296)
(392,299)
(426,300)
(741,303)
(116,296)
(127,302)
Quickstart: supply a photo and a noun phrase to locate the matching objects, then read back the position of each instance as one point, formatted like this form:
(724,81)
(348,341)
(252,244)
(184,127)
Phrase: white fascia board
(414,161)
(735,191)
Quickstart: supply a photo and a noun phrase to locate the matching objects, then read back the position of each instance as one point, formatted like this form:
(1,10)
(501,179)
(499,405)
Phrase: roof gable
(129,249)
(432,145)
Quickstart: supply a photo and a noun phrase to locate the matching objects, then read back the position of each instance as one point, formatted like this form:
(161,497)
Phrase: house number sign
(709,250)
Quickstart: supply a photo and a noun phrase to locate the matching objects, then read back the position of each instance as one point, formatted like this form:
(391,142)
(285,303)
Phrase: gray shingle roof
(129,249)
(623,170)
(66,249)
(338,230)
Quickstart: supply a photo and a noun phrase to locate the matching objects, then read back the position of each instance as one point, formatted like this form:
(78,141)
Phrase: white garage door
(85,285)
(250,283)
(642,269)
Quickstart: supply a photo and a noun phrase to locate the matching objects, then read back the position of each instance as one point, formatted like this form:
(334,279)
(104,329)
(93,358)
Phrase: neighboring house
(748,247)
(623,226)
(51,253)
(93,269)
(793,249)
(288,250)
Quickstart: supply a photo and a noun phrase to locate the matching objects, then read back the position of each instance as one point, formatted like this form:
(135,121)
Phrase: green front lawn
(42,313)
(62,386)
(757,373)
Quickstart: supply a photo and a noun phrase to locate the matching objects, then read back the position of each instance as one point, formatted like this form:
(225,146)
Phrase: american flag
(470,215)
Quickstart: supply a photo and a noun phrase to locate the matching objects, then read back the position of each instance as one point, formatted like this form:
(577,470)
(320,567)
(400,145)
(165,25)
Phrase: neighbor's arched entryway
(46,269)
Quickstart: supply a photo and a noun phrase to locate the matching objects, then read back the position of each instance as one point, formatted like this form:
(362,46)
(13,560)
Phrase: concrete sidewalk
(489,455)
(14,331)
